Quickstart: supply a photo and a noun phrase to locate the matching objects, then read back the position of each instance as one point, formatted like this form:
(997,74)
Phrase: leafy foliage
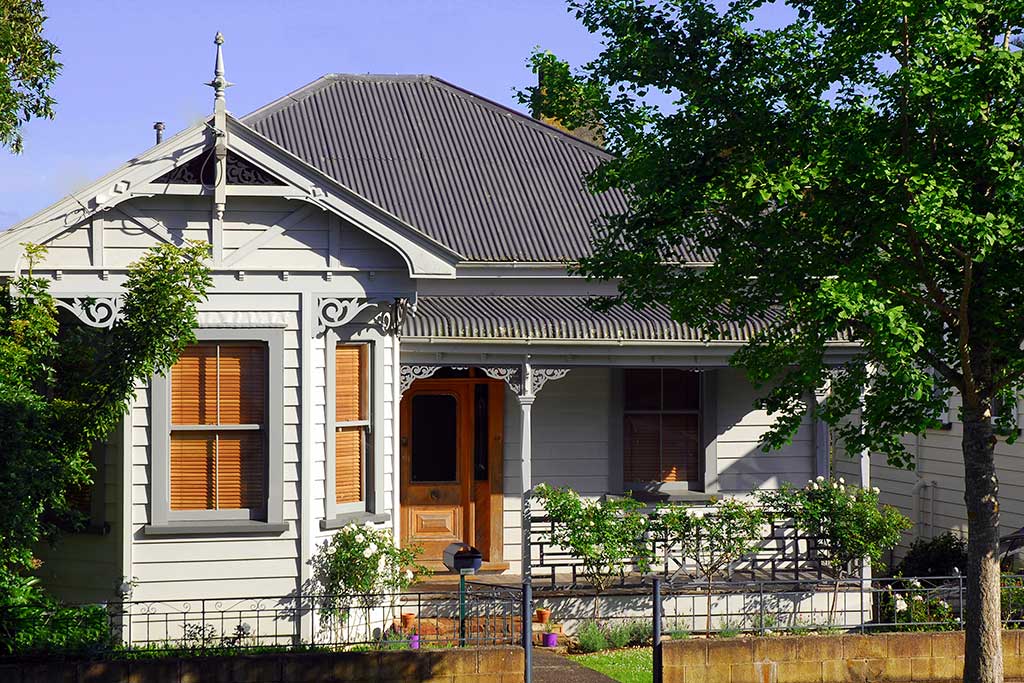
(848,521)
(359,567)
(915,608)
(944,555)
(715,538)
(64,387)
(607,536)
(853,171)
(591,637)
(29,69)
(32,622)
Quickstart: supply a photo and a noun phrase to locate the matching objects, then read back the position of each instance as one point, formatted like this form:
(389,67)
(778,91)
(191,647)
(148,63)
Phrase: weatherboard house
(392,336)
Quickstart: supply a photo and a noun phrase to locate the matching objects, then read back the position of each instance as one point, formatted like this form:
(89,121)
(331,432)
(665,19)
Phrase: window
(218,428)
(352,471)
(351,422)
(217,414)
(661,425)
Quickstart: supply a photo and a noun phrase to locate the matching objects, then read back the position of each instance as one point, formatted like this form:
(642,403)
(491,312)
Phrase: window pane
(682,390)
(193,467)
(641,458)
(194,386)
(348,464)
(243,383)
(679,447)
(241,471)
(642,389)
(481,427)
(434,438)
(350,382)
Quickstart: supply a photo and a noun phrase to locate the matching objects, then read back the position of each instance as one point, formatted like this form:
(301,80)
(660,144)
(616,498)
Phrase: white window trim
(163,520)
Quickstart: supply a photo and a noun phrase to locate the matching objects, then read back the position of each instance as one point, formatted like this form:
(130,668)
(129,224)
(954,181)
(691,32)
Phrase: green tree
(854,172)
(715,538)
(63,387)
(29,68)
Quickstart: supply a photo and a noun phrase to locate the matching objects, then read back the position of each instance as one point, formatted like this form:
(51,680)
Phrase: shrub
(606,535)
(591,637)
(729,629)
(944,555)
(915,608)
(33,622)
(619,635)
(358,566)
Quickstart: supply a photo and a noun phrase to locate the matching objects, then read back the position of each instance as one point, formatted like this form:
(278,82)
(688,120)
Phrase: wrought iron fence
(484,615)
(783,553)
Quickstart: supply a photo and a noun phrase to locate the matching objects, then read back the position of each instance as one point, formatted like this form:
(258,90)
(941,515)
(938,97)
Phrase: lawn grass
(629,665)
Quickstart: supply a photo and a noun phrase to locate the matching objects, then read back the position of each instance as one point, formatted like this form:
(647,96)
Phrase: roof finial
(219,83)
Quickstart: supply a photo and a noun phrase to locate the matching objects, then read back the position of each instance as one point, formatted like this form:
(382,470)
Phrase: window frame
(705,479)
(371,507)
(163,520)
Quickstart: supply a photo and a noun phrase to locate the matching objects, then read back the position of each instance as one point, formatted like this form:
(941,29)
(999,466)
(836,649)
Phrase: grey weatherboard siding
(486,181)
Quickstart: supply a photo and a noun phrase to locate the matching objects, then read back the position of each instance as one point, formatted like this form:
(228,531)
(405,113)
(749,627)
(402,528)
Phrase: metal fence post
(656,615)
(527,630)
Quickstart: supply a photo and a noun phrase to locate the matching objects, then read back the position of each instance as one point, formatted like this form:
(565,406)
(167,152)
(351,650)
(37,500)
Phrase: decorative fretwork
(410,373)
(336,311)
(391,318)
(202,170)
(100,312)
(512,376)
(541,376)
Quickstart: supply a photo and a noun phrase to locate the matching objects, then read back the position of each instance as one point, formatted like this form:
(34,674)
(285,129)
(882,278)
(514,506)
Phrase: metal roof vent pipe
(159,128)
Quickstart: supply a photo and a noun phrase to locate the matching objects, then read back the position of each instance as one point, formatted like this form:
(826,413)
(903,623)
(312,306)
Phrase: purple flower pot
(550,639)
(414,641)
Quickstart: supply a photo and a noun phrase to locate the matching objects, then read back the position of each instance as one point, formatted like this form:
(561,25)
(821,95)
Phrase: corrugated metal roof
(486,181)
(555,318)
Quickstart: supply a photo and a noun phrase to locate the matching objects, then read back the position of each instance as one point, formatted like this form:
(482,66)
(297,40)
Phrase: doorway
(452,466)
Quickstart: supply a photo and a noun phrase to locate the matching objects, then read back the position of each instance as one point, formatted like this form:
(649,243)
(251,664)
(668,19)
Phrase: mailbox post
(465,560)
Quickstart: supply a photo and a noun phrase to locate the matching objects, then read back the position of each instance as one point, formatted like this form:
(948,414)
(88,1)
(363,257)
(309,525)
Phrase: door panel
(437,468)
(451,467)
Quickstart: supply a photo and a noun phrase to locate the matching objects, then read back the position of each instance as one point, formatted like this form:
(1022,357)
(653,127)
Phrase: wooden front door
(451,457)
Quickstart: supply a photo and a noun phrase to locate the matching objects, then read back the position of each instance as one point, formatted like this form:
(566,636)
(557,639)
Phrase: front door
(451,446)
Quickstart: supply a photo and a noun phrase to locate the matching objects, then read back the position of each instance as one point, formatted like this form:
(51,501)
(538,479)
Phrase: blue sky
(130,63)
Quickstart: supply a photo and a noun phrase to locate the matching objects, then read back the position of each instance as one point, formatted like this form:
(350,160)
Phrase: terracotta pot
(550,640)
(543,615)
(408,620)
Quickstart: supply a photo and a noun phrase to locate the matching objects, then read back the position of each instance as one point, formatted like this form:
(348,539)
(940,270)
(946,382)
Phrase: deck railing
(783,554)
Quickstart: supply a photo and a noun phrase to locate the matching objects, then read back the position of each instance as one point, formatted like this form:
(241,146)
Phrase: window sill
(353,518)
(245,527)
(675,496)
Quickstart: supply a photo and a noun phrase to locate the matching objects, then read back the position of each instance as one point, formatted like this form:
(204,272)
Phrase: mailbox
(462,559)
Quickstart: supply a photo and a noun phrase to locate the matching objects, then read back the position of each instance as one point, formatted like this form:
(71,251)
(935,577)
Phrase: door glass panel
(434,440)
(480,425)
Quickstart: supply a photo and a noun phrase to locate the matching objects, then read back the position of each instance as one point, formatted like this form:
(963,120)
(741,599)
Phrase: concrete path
(551,668)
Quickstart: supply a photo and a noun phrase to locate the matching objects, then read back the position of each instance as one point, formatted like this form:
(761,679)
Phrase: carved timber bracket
(541,376)
(335,311)
(101,312)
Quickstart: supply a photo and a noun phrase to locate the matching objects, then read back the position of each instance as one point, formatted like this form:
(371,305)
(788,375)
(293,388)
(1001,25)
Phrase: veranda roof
(570,318)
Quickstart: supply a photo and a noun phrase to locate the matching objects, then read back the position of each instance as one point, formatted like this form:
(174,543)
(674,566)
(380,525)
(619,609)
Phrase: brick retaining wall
(502,664)
(892,657)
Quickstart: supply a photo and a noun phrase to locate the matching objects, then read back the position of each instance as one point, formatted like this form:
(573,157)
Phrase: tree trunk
(983,661)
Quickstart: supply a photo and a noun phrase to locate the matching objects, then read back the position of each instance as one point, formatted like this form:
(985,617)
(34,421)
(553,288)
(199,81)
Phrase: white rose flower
(918,598)
(819,478)
(372,548)
(367,552)
(901,605)
(875,490)
(360,538)
(943,604)
(408,575)
(814,486)
(915,583)
(841,480)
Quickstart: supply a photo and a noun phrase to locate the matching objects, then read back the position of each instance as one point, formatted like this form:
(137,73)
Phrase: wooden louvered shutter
(218,428)
(351,421)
